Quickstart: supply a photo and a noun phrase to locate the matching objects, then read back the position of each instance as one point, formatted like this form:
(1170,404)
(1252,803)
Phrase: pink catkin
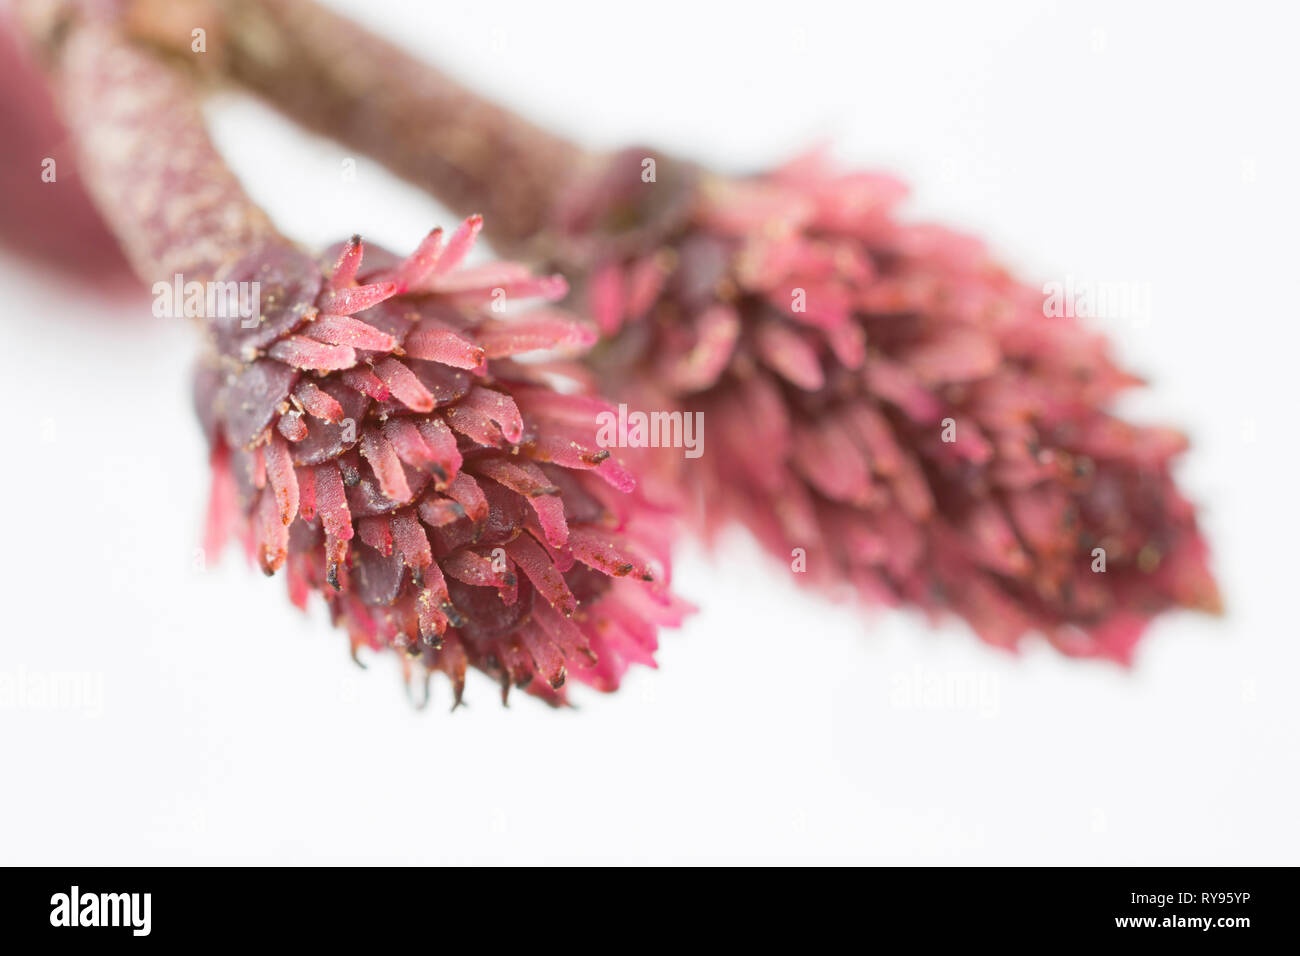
(354,468)
(899,408)
(417,490)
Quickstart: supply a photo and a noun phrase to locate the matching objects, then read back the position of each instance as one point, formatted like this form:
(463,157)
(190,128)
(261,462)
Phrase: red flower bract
(889,399)
(371,436)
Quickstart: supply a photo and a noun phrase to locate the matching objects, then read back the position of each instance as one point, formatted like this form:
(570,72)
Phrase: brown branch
(337,78)
(144,151)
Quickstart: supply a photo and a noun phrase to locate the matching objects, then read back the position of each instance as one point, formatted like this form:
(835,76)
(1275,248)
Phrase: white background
(1107,141)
